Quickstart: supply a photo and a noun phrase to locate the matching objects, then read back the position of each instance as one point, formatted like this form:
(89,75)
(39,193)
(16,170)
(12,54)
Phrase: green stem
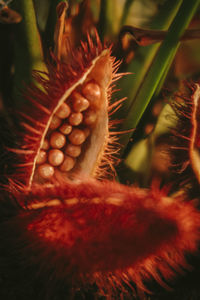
(161,62)
(28,49)
(109,19)
(126,11)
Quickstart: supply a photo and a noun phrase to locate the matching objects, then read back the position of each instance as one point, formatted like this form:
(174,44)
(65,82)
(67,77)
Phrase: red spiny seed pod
(186,143)
(75,234)
(65,235)
(67,109)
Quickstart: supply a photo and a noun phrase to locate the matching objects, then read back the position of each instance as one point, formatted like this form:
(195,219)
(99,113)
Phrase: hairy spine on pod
(101,232)
(80,226)
(185,137)
(65,127)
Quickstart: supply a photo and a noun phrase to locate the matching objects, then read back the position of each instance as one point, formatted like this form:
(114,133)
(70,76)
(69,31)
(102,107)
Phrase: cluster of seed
(69,128)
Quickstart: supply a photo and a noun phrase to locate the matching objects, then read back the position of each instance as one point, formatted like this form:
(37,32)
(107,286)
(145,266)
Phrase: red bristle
(24,165)
(112,232)
(31,129)
(31,120)
(185,145)
(41,103)
(116,103)
(40,107)
(21,151)
(87,231)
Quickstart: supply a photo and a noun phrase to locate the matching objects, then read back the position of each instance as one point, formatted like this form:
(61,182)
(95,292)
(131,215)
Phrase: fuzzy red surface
(113,233)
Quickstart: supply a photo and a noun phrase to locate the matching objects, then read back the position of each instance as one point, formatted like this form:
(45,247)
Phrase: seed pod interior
(70,112)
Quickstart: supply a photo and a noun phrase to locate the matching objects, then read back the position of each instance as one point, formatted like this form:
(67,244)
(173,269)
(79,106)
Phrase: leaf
(139,159)
(153,68)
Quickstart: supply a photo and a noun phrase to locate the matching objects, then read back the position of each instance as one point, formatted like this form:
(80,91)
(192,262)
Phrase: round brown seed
(67,164)
(87,132)
(46,171)
(75,119)
(79,102)
(57,140)
(42,157)
(90,117)
(55,157)
(65,128)
(73,150)
(45,145)
(77,137)
(55,122)
(92,91)
(63,111)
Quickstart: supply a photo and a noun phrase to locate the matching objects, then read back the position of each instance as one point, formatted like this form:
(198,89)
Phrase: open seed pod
(65,234)
(65,124)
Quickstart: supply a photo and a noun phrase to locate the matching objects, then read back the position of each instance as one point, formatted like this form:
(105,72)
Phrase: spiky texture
(64,237)
(111,236)
(44,96)
(185,139)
